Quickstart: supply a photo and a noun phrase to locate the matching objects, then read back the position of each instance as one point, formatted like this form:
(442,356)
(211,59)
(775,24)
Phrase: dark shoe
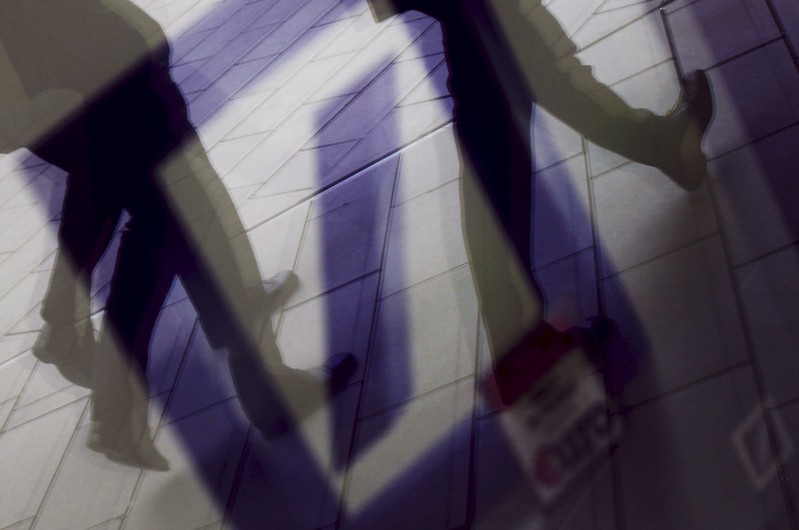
(683,161)
(123,447)
(279,287)
(609,351)
(69,349)
(339,370)
(302,393)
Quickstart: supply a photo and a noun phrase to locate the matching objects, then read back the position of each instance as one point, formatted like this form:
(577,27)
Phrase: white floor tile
(769,293)
(640,214)
(88,490)
(339,321)
(561,212)
(679,465)
(680,315)
(203,451)
(295,480)
(425,338)
(411,464)
(345,235)
(29,456)
(425,239)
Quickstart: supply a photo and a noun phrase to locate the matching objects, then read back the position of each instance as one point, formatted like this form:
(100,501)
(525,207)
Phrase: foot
(339,369)
(69,349)
(279,287)
(302,392)
(125,448)
(684,161)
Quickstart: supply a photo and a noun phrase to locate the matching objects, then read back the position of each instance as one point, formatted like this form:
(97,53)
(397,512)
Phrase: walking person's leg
(89,215)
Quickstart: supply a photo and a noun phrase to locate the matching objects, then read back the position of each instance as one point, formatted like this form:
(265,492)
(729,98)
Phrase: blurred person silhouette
(87,88)
(503,56)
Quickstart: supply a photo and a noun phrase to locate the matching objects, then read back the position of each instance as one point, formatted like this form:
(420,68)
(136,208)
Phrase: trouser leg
(560,83)
(88,218)
(139,285)
(497,217)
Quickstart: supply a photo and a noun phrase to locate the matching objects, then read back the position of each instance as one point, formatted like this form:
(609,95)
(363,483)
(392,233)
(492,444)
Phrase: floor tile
(755,94)
(345,235)
(789,16)
(789,417)
(701,39)
(15,374)
(553,141)
(561,212)
(29,456)
(215,65)
(281,145)
(429,43)
(373,57)
(256,211)
(220,124)
(27,411)
(20,299)
(434,86)
(374,102)
(399,128)
(284,100)
(755,189)
(572,15)
(226,155)
(295,480)
(425,339)
(425,239)
(203,451)
(611,17)
(22,525)
(12,345)
(680,315)
(309,170)
(218,92)
(6,408)
(640,214)
(679,466)
(295,27)
(88,490)
(769,293)
(411,464)
(651,48)
(276,243)
(427,164)
(25,259)
(204,379)
(338,321)
(570,289)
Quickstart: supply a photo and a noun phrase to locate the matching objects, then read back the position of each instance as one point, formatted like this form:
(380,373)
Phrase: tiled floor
(333,135)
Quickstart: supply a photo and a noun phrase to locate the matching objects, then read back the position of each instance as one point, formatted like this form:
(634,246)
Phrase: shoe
(339,370)
(303,393)
(71,351)
(279,287)
(609,351)
(123,447)
(684,162)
